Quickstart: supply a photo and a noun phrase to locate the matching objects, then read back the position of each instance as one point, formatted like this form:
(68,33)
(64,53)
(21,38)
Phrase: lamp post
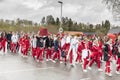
(61,29)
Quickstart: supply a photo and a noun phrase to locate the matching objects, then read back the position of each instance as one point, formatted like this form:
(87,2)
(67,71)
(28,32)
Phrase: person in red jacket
(25,46)
(48,46)
(57,52)
(1,38)
(67,43)
(79,52)
(4,43)
(118,62)
(40,48)
(34,46)
(14,42)
(64,49)
(85,56)
(90,43)
(20,43)
(100,42)
(107,56)
(95,57)
(118,57)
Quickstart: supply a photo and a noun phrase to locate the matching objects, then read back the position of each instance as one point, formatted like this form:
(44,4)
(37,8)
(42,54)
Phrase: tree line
(67,23)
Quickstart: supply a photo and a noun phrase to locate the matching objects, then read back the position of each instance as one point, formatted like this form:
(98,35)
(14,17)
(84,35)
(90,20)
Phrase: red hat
(60,34)
(43,32)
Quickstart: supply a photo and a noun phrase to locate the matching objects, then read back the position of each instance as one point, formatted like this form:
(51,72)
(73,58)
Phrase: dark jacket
(118,55)
(115,49)
(39,42)
(51,42)
(106,52)
(9,36)
(46,42)
(56,45)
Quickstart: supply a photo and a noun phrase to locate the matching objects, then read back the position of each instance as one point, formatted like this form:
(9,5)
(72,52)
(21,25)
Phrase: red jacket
(3,41)
(26,43)
(83,44)
(80,48)
(90,43)
(20,41)
(95,51)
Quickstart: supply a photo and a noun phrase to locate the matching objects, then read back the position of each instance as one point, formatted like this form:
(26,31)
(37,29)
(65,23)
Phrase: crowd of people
(66,49)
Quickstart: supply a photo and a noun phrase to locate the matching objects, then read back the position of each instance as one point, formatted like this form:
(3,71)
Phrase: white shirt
(34,42)
(14,38)
(63,42)
(73,43)
(84,53)
(68,39)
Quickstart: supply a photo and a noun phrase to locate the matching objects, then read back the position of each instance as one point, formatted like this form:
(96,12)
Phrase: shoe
(117,65)
(102,61)
(47,60)
(42,61)
(114,61)
(50,59)
(65,64)
(26,56)
(61,62)
(34,58)
(117,72)
(89,68)
(84,70)
(38,61)
(100,69)
(22,55)
(109,74)
(72,65)
(106,73)
(82,66)
(53,61)
(76,63)
(81,63)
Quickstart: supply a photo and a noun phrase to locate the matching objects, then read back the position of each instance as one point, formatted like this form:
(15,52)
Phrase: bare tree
(114,7)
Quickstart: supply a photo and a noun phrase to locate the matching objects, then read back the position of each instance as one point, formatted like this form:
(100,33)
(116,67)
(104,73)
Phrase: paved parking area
(14,67)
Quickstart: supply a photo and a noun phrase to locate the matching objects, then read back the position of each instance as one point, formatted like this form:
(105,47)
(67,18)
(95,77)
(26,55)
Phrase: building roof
(73,32)
(114,30)
(89,33)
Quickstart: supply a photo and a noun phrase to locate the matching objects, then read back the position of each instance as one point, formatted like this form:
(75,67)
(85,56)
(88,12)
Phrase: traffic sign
(60,29)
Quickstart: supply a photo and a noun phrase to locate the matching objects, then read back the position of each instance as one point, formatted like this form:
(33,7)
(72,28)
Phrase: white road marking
(102,77)
(25,70)
(9,62)
(85,79)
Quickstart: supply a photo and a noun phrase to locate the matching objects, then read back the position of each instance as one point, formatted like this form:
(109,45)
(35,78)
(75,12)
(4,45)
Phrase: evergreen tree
(57,21)
(50,20)
(43,21)
(70,24)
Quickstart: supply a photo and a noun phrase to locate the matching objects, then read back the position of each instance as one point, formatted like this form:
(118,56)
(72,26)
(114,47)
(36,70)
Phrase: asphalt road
(15,67)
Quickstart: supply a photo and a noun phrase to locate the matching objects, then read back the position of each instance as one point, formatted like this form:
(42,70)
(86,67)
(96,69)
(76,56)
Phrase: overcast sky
(87,11)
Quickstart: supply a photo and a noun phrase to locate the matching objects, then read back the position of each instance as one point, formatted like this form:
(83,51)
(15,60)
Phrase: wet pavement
(15,67)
